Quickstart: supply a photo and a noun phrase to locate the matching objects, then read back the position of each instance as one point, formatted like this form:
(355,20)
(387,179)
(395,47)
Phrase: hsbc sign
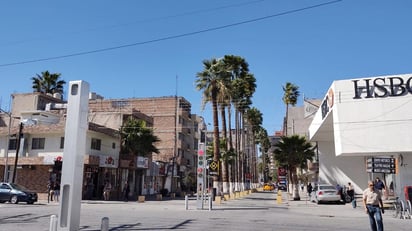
(382,87)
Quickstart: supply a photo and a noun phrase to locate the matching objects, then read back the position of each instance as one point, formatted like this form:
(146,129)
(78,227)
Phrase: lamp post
(6,153)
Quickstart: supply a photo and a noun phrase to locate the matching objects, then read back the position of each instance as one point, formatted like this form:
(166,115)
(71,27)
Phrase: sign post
(201,175)
(381,165)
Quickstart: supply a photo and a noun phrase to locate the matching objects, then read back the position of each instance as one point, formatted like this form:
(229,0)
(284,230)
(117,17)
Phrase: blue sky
(158,45)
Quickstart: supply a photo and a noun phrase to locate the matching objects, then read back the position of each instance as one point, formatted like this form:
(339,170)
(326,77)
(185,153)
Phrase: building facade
(34,134)
(361,121)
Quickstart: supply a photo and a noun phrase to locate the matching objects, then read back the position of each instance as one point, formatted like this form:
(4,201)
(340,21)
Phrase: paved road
(256,211)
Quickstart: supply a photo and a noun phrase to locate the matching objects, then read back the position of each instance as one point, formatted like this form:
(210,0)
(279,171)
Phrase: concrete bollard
(53,223)
(279,197)
(105,224)
(186,202)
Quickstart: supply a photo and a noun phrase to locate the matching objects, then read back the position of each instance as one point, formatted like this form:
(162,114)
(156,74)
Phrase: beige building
(170,117)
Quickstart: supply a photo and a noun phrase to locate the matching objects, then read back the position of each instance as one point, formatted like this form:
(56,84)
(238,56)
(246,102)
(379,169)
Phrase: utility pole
(16,159)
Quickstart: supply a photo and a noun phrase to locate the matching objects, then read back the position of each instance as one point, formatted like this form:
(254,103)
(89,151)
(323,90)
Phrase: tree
(211,80)
(293,152)
(290,97)
(137,139)
(48,83)
(254,119)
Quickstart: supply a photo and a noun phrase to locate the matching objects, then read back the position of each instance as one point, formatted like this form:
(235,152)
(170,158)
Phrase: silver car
(325,193)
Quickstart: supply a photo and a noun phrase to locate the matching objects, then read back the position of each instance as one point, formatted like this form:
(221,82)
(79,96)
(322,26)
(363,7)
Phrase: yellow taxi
(268,187)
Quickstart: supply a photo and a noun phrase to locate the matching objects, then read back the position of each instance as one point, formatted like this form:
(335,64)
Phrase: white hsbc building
(362,122)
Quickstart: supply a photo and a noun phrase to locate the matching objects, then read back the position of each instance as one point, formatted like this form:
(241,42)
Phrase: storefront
(364,118)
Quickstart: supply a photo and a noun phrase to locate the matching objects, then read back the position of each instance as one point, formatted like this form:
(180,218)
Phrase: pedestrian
(49,191)
(309,188)
(126,191)
(379,185)
(372,202)
(56,191)
(351,193)
(106,190)
(340,191)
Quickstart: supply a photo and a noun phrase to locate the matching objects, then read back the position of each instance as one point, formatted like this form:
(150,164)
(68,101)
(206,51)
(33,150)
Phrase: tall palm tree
(254,118)
(290,97)
(238,67)
(48,82)
(243,88)
(293,152)
(264,142)
(211,80)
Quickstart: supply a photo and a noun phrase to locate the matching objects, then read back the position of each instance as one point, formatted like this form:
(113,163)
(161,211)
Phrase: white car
(325,193)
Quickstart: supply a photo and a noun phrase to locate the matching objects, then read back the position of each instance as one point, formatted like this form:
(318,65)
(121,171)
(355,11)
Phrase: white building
(364,118)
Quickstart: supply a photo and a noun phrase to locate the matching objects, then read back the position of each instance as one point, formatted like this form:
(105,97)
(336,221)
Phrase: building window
(113,145)
(38,143)
(96,144)
(12,144)
(61,142)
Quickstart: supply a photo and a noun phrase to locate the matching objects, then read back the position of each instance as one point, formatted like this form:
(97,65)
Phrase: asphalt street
(256,211)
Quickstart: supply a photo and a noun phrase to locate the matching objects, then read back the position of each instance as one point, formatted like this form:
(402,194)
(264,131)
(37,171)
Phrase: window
(37,143)
(61,142)
(12,144)
(114,145)
(96,144)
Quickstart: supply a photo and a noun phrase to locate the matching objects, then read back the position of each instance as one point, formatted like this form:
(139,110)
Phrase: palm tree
(262,139)
(254,118)
(211,80)
(293,152)
(48,83)
(290,97)
(238,67)
(138,140)
(243,88)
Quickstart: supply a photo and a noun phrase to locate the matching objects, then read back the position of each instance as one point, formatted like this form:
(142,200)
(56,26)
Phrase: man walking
(372,202)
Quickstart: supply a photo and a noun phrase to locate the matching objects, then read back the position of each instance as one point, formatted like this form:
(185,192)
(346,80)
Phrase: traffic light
(57,167)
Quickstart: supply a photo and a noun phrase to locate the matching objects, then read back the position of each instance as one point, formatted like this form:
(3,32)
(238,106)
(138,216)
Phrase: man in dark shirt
(379,185)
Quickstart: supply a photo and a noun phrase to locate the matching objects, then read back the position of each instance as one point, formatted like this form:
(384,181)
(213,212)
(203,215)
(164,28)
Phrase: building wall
(377,125)
(340,169)
(363,118)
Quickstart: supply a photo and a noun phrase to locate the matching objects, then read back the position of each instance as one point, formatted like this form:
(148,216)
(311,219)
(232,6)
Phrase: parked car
(282,187)
(325,193)
(14,193)
(268,187)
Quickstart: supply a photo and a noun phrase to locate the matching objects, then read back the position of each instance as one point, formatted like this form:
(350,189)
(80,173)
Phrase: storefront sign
(108,162)
(382,87)
(327,103)
(142,162)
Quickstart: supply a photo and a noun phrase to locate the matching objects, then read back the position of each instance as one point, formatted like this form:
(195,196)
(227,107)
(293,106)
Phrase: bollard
(186,202)
(279,197)
(105,224)
(53,223)
(210,203)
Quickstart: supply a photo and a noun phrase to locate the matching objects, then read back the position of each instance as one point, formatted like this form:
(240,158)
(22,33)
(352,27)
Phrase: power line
(172,36)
